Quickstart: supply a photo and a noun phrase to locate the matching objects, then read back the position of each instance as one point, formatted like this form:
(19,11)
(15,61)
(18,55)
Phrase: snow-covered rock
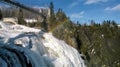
(37,48)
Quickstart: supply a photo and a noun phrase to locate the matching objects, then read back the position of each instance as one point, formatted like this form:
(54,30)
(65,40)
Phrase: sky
(83,10)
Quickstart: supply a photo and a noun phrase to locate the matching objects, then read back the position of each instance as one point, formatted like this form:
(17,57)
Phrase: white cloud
(73,4)
(115,8)
(94,1)
(77,15)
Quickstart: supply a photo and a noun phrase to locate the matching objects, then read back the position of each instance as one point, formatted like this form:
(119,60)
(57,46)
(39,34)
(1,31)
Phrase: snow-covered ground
(40,48)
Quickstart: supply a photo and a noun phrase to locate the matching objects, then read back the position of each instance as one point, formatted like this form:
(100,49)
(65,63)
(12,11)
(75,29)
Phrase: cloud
(73,4)
(94,1)
(115,8)
(77,15)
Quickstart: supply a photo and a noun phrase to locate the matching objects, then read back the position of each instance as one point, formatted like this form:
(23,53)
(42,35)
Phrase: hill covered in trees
(99,43)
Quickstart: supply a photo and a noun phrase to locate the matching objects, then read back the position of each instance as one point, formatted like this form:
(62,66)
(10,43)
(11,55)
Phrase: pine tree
(44,25)
(60,15)
(51,9)
(52,19)
(52,15)
(1,15)
(20,17)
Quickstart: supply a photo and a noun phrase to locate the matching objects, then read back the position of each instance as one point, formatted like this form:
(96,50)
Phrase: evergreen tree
(44,25)
(1,15)
(51,9)
(52,19)
(20,17)
(60,15)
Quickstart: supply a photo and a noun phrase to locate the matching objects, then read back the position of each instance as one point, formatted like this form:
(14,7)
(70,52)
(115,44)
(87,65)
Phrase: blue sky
(83,10)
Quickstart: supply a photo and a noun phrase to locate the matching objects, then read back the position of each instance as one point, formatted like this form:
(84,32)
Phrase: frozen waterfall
(29,47)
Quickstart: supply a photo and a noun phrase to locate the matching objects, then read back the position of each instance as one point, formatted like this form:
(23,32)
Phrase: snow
(30,20)
(118,25)
(40,48)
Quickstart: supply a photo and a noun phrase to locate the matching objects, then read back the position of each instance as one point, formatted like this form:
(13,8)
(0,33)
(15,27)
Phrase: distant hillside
(13,12)
(99,43)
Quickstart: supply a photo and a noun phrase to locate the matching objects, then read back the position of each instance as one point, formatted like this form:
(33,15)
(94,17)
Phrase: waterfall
(28,48)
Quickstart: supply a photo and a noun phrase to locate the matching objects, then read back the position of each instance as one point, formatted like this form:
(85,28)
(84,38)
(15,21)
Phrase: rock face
(36,49)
